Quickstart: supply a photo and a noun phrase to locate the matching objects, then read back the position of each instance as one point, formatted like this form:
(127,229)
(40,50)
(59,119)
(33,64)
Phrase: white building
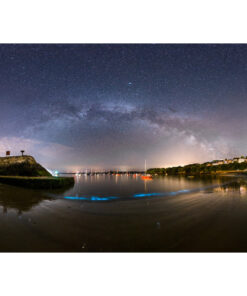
(241,160)
(218,162)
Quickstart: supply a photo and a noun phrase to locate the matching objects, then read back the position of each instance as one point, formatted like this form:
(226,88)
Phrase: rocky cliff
(21,166)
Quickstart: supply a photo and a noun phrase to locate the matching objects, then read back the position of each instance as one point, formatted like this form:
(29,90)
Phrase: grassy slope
(21,166)
(25,171)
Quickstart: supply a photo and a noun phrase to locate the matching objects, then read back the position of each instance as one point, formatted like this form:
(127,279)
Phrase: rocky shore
(25,171)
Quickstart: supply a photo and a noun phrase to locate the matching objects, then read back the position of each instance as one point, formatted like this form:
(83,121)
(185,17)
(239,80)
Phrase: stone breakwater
(26,172)
(22,166)
(38,182)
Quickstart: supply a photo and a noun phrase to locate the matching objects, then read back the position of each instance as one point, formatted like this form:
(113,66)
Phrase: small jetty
(38,182)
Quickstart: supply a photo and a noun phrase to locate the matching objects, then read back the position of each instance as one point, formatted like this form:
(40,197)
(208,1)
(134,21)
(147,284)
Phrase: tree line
(194,169)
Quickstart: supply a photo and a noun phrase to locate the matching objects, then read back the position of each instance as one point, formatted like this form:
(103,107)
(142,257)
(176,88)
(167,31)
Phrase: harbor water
(109,213)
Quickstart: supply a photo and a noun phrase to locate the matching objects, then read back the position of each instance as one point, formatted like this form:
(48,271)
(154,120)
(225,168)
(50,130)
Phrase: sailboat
(146,176)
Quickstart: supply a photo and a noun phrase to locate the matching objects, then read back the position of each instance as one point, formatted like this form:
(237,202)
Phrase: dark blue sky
(108,106)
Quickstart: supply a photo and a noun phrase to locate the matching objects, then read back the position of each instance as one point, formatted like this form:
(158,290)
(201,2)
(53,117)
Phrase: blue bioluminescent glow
(137,195)
(76,198)
(92,198)
(147,194)
(161,193)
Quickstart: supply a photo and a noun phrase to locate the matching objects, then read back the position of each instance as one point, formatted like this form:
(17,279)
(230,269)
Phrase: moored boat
(146,176)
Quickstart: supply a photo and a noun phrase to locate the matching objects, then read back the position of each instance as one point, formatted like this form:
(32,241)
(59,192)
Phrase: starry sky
(111,106)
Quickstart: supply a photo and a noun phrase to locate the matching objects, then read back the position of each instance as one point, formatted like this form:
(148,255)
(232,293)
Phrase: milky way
(113,106)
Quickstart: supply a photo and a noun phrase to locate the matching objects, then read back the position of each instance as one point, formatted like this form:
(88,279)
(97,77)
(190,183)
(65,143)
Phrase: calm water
(126,213)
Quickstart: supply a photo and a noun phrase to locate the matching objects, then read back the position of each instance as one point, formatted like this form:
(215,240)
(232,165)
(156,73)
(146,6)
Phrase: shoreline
(233,172)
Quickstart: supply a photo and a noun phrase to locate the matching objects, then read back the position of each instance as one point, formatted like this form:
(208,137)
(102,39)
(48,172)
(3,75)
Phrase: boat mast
(145,166)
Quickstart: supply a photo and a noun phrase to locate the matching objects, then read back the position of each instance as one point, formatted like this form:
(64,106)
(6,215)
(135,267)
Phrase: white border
(123,274)
(129,21)
(122,22)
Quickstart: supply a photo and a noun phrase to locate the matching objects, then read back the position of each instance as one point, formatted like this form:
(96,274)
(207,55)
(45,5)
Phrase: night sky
(113,106)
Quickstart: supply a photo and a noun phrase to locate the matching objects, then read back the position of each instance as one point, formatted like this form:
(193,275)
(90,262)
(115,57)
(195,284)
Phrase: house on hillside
(239,159)
(218,162)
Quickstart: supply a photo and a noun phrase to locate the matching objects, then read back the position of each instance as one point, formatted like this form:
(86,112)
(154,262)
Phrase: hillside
(21,166)
(197,169)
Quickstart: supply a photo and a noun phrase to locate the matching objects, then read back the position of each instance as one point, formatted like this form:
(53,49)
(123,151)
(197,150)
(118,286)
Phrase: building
(241,160)
(218,162)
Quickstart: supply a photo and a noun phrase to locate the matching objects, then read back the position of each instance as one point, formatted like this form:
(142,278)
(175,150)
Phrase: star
(68,107)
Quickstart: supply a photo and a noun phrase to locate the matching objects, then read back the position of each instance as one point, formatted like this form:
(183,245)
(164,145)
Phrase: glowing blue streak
(161,193)
(92,198)
(138,195)
(147,194)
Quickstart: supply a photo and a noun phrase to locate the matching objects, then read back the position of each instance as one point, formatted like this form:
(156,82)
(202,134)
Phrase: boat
(146,176)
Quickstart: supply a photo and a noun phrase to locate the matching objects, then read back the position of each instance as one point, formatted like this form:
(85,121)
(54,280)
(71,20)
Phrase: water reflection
(109,188)
(113,188)
(164,214)
(22,199)
(239,186)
